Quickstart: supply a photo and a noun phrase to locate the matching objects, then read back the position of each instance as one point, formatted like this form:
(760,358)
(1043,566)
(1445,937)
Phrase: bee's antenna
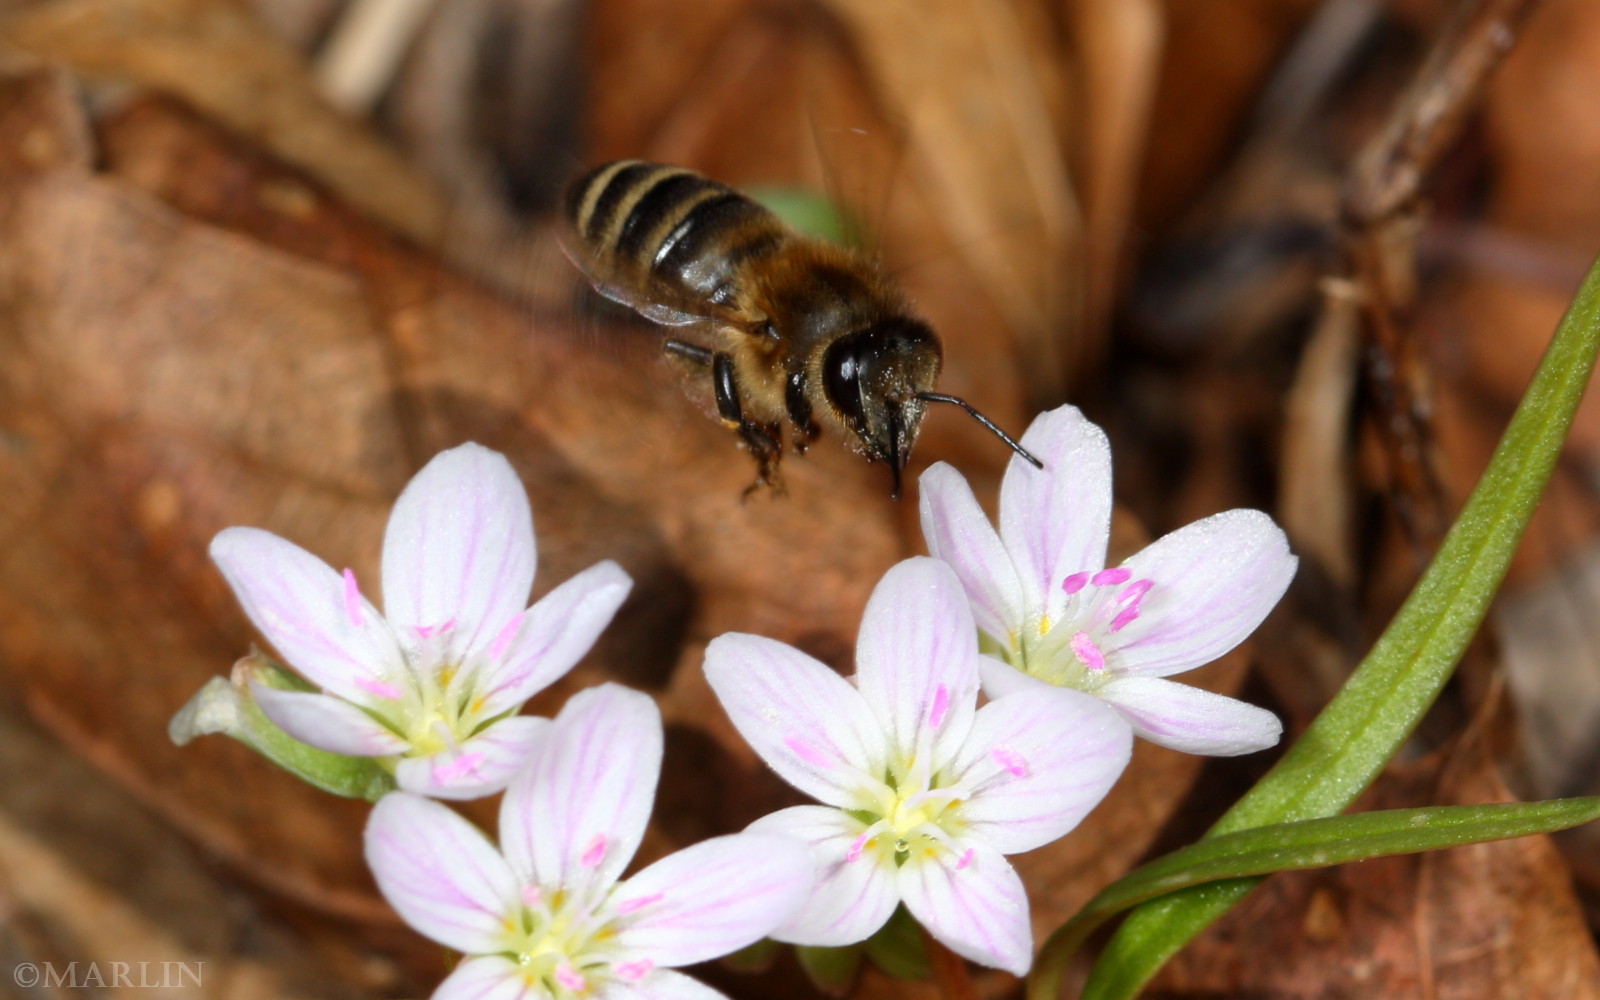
(939,397)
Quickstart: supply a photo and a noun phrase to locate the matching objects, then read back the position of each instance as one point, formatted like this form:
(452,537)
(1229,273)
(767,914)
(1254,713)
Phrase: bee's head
(874,377)
(878,379)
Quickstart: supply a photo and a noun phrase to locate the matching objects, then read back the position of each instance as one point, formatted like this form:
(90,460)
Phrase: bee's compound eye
(841,377)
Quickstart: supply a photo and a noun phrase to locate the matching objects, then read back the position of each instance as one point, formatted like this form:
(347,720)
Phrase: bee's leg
(763,440)
(799,406)
(689,352)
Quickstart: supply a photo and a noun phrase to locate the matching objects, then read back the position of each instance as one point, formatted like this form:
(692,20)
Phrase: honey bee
(788,327)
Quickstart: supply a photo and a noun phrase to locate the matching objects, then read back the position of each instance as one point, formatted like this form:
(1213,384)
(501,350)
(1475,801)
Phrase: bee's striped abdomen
(651,223)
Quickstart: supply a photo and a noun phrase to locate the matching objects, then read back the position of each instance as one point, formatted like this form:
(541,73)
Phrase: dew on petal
(806,752)
(941,706)
(352,598)
(1111,577)
(1075,582)
(1087,652)
(1010,760)
(632,972)
(594,853)
(639,902)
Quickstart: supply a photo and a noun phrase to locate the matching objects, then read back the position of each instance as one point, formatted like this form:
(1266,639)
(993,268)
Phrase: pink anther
(569,979)
(1075,582)
(632,972)
(1010,760)
(467,763)
(1088,653)
(966,859)
(1110,577)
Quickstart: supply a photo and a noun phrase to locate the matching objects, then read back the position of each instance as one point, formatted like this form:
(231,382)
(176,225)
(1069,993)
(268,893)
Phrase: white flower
(924,793)
(1048,606)
(434,687)
(548,918)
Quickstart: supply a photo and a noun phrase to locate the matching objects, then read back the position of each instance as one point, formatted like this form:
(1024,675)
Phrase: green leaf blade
(1354,737)
(1219,867)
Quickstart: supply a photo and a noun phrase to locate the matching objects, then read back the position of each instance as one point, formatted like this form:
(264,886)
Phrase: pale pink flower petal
(458,554)
(439,873)
(1041,759)
(548,639)
(1055,521)
(1190,719)
(854,896)
(327,723)
(1214,581)
(713,898)
(917,656)
(486,977)
(803,719)
(480,766)
(576,815)
(334,637)
(662,984)
(1000,679)
(975,905)
(958,532)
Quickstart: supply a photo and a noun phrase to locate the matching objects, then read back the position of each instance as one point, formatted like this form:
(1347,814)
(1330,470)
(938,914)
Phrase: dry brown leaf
(1490,920)
(218,56)
(205,337)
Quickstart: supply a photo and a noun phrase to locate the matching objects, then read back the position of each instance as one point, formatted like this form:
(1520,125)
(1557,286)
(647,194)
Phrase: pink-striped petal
(713,898)
(661,984)
(337,640)
(1192,720)
(480,766)
(1056,521)
(458,554)
(1000,679)
(548,639)
(487,977)
(1213,583)
(575,816)
(803,719)
(917,657)
(973,903)
(1041,760)
(440,873)
(327,723)
(854,894)
(958,532)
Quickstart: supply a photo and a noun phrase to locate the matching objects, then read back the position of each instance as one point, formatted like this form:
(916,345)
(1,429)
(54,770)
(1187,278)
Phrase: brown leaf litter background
(260,260)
